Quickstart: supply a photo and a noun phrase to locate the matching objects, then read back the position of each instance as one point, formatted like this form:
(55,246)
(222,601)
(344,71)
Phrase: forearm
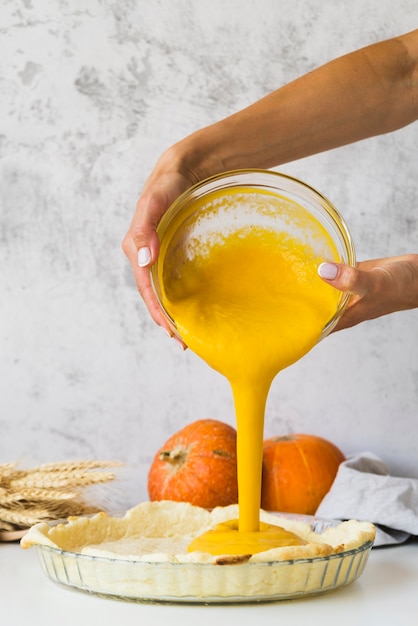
(365,93)
(362,94)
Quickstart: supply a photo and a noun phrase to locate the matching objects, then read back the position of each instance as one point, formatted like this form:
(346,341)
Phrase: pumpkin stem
(284,438)
(177,456)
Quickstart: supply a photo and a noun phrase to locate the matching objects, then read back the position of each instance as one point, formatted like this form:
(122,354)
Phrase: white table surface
(386,594)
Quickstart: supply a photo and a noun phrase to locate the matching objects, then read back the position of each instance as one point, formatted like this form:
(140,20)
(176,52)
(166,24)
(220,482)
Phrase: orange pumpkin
(198,465)
(298,471)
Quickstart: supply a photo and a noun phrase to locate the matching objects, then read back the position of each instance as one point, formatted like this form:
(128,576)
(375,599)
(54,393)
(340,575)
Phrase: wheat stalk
(6,526)
(54,480)
(28,494)
(5,471)
(50,491)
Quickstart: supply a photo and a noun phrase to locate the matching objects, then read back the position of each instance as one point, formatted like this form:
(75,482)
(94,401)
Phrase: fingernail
(144,257)
(167,332)
(180,344)
(328,271)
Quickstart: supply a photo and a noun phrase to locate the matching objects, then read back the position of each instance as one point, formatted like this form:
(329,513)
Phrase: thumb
(345,278)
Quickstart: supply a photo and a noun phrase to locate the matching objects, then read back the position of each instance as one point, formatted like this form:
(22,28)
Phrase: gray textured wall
(91,93)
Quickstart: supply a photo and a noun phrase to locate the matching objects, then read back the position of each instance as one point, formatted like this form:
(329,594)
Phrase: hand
(377,287)
(141,244)
(368,92)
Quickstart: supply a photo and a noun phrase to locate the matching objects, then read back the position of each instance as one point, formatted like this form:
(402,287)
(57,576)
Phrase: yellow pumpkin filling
(226,538)
(248,300)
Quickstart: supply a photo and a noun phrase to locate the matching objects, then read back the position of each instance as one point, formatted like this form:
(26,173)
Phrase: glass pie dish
(153,579)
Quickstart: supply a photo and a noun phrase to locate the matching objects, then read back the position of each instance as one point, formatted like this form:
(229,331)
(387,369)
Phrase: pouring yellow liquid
(249,302)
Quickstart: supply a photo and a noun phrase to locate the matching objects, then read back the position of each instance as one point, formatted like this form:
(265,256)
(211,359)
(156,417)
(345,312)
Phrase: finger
(146,291)
(143,281)
(345,278)
(141,244)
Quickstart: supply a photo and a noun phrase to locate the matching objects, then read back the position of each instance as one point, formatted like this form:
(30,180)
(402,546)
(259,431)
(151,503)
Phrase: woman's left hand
(377,287)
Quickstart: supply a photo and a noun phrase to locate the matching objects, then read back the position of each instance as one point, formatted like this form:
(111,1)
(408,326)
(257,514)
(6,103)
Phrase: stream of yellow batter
(249,303)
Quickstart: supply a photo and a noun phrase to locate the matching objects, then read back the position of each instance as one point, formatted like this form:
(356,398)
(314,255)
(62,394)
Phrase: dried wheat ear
(50,491)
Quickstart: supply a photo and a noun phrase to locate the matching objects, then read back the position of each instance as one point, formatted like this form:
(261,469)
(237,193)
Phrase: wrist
(200,155)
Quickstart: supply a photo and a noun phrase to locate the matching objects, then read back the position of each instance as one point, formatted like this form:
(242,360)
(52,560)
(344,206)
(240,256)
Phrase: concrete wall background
(92,93)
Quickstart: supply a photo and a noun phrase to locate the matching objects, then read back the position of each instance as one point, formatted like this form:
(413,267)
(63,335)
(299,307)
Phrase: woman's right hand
(141,244)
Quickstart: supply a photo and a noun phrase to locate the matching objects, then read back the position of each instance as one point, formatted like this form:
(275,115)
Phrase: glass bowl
(205,583)
(211,209)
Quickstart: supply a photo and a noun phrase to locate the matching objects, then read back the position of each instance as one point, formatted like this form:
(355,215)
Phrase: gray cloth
(364,490)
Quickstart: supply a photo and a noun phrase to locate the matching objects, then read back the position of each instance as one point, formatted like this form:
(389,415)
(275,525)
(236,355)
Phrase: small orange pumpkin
(298,471)
(198,464)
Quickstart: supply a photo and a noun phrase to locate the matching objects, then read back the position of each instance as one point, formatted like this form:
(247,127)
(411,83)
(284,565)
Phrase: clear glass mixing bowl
(201,216)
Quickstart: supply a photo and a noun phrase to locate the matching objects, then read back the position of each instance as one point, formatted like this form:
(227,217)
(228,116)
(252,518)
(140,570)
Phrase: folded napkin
(364,490)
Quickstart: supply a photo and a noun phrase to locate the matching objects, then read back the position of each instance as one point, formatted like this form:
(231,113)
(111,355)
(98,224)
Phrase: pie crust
(143,555)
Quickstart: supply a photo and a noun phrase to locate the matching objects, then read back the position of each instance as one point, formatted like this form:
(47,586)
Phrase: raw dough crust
(161,532)
(143,556)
